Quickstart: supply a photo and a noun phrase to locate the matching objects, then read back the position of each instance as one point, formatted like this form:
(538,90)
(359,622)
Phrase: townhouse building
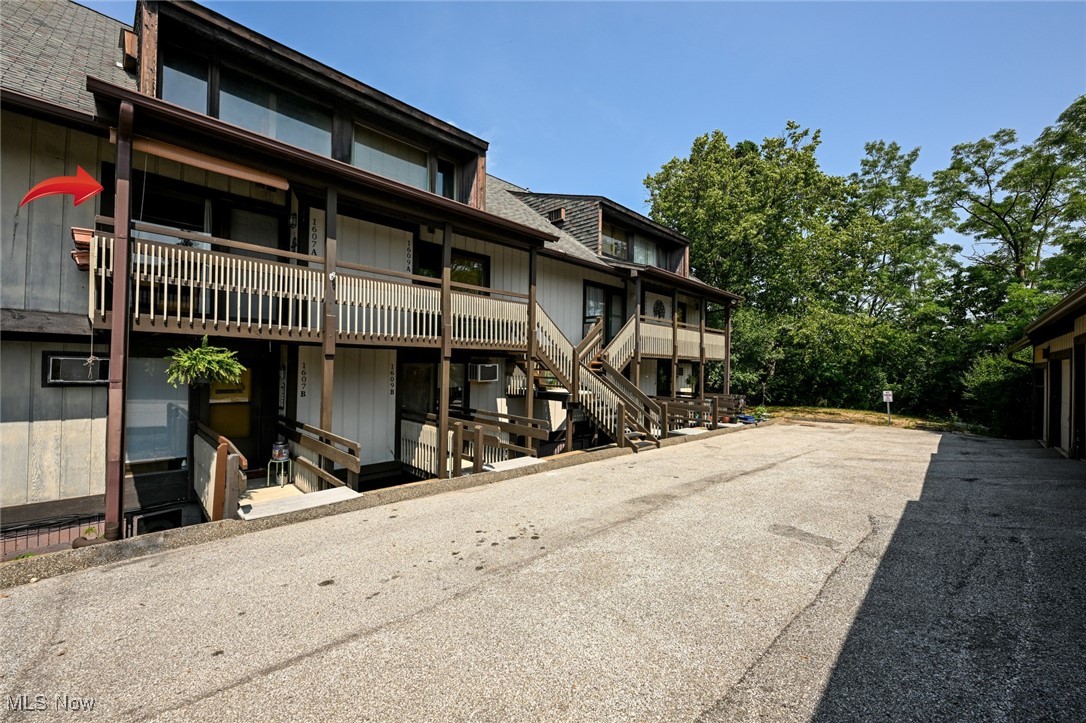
(400,313)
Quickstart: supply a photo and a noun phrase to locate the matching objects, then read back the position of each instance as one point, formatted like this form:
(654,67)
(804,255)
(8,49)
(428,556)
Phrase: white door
(1065,404)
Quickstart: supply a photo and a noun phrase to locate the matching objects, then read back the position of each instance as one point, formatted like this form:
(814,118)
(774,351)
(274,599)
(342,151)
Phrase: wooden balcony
(193,287)
(661,339)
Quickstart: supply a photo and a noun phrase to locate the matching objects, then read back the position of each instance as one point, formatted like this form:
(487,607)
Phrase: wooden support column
(529,394)
(701,346)
(637,331)
(446,354)
(328,371)
(728,348)
(118,330)
(674,342)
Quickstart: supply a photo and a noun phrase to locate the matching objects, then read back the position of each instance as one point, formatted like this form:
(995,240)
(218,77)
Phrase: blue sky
(592,97)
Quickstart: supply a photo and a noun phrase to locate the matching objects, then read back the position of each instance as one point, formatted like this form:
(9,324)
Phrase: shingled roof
(49,47)
(501,200)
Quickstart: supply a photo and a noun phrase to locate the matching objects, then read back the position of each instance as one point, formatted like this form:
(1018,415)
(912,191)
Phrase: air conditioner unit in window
(483,372)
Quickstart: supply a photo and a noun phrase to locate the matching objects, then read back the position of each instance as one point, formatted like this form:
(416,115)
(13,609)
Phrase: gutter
(1018,346)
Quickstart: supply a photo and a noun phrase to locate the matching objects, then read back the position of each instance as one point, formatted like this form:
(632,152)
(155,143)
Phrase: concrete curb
(53,564)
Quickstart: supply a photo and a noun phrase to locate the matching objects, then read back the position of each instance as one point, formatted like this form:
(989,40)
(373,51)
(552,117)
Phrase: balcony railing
(189,287)
(656,341)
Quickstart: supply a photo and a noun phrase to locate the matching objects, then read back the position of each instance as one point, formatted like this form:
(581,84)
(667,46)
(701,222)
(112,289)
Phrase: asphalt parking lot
(792,572)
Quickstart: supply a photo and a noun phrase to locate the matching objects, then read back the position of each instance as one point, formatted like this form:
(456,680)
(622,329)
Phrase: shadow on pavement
(978,608)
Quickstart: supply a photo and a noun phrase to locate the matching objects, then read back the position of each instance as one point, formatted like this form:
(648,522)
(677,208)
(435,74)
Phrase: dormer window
(615,242)
(390,157)
(445,180)
(184,81)
(277,114)
(645,252)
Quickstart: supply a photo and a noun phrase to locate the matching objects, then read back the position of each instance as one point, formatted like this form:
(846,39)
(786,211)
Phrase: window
(445,182)
(645,252)
(616,242)
(184,81)
(274,113)
(389,157)
(156,413)
(608,303)
(467,268)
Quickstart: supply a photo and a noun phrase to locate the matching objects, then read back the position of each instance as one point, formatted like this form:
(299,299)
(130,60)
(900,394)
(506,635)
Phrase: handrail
(220,439)
(589,339)
(622,348)
(388,272)
(460,286)
(213,240)
(329,478)
(630,387)
(351,445)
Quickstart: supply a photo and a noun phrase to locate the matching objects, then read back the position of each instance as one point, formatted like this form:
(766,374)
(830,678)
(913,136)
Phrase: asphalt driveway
(791,572)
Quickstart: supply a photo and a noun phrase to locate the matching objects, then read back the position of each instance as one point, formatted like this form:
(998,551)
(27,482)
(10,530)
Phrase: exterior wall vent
(557,215)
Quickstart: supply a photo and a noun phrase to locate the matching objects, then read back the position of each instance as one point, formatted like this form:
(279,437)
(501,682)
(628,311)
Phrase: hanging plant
(203,364)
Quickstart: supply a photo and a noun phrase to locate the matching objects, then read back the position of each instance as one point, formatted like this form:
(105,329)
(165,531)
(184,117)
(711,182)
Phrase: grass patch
(869,417)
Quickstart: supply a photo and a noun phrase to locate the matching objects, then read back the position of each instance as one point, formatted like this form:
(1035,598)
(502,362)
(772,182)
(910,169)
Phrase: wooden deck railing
(316,452)
(218,473)
(716,345)
(655,338)
(688,341)
(621,349)
(204,284)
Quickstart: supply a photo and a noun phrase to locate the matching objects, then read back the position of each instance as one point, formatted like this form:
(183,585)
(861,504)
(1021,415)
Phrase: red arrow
(82,185)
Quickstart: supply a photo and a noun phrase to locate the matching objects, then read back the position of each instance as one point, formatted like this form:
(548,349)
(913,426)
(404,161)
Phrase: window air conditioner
(483,372)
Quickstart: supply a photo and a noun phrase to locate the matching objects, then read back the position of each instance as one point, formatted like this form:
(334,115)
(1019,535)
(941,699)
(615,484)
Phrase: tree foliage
(848,289)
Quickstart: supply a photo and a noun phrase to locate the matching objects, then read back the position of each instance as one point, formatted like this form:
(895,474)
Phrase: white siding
(508,266)
(560,289)
(52,439)
(650,305)
(369,244)
(364,397)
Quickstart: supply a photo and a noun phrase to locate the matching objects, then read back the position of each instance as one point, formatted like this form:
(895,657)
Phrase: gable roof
(501,200)
(48,48)
(638,220)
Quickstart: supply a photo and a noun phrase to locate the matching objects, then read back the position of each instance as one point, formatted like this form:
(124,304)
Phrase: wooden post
(218,487)
(674,342)
(458,448)
(330,317)
(477,456)
(446,352)
(569,424)
(701,346)
(637,331)
(728,348)
(620,424)
(715,407)
(118,330)
(529,395)
(665,421)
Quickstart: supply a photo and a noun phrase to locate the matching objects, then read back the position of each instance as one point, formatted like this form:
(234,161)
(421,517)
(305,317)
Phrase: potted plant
(203,365)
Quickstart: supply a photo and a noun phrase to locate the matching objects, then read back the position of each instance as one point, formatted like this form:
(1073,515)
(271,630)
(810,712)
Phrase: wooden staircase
(615,404)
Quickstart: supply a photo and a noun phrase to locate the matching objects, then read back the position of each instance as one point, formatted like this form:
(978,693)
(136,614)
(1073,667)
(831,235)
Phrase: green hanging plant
(203,364)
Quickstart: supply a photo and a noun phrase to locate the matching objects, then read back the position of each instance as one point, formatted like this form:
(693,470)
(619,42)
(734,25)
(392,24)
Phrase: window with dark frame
(62,369)
(466,268)
(237,97)
(615,242)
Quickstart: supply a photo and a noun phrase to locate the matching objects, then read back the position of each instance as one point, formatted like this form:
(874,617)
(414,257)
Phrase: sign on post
(888,396)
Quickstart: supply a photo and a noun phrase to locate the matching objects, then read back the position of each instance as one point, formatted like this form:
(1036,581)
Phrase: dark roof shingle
(49,47)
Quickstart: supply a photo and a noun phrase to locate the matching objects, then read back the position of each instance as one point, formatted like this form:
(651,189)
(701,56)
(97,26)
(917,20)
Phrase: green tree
(1023,200)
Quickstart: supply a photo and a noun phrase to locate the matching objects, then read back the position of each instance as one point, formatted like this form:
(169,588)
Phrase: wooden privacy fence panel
(375,310)
(485,321)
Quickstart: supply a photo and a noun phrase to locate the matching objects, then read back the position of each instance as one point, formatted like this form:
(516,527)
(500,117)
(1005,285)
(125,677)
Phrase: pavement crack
(718,710)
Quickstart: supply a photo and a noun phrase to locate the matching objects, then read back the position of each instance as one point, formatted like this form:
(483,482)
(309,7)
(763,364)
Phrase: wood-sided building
(1058,338)
(399,313)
